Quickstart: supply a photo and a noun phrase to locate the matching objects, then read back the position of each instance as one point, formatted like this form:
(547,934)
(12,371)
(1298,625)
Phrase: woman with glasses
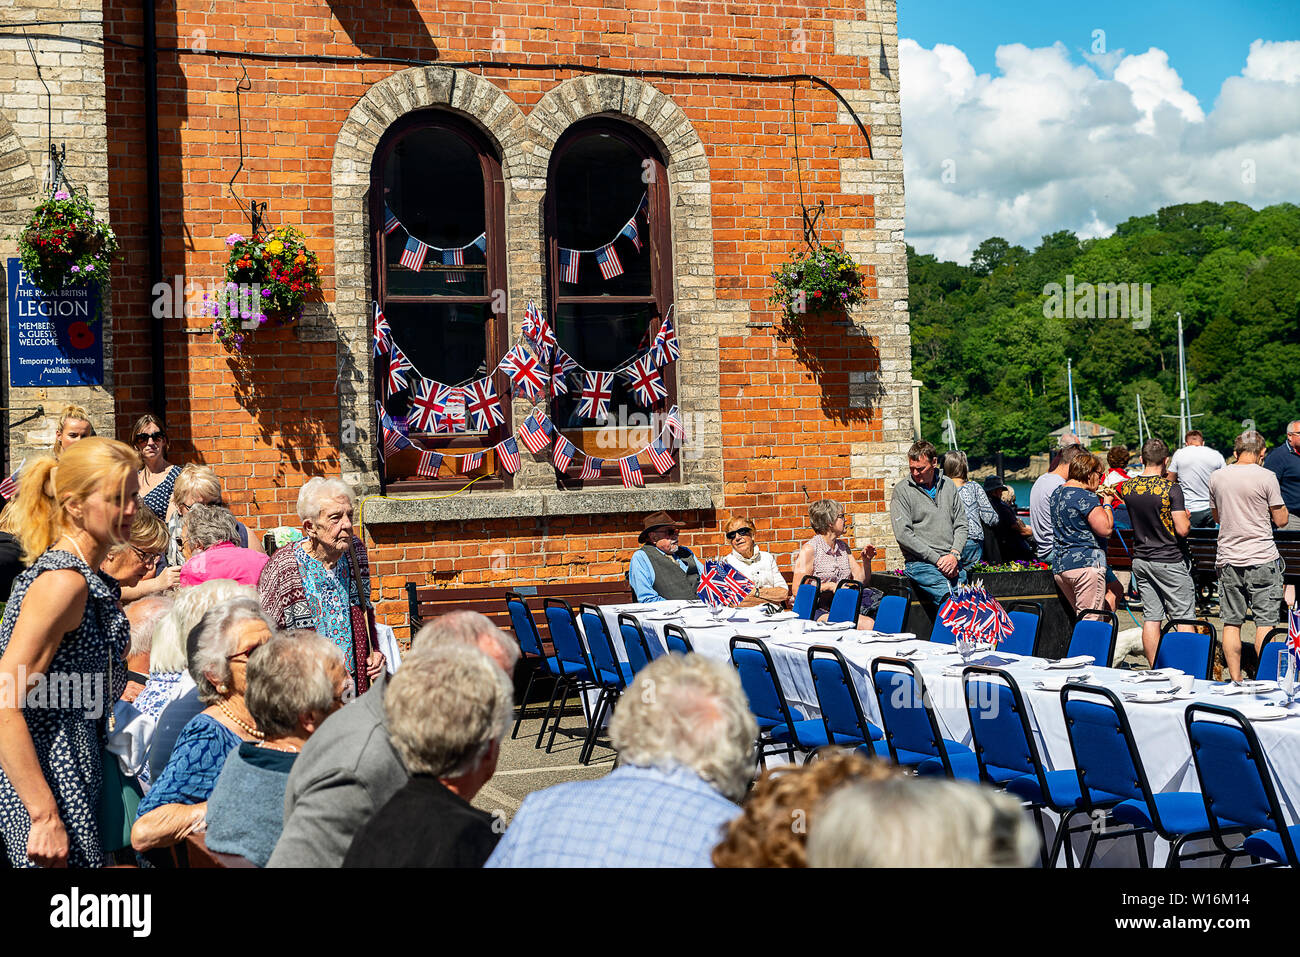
(295,681)
(131,563)
(199,485)
(158,475)
(218,651)
(828,558)
(209,543)
(755,564)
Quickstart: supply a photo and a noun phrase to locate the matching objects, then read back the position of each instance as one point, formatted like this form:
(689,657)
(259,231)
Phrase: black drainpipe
(158,399)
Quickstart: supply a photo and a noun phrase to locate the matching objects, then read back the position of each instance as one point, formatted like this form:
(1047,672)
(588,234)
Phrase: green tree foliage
(984,347)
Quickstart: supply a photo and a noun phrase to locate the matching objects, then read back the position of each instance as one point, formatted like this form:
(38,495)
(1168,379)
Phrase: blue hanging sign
(54,340)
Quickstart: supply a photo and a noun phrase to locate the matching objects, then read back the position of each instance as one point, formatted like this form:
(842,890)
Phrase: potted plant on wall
(268,280)
(66,244)
(813,280)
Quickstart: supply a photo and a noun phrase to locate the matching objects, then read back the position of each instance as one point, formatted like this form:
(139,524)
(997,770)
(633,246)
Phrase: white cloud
(1047,143)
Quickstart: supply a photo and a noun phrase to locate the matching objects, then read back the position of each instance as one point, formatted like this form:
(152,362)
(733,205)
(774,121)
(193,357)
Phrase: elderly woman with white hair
(323,582)
(295,681)
(210,541)
(218,651)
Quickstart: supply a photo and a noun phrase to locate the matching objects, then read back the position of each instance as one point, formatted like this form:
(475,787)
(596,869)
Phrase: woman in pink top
(209,541)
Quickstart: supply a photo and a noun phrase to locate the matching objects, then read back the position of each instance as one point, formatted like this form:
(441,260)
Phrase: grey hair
(688,710)
(208,525)
(1249,442)
(955,464)
(288,677)
(212,641)
(823,514)
(144,615)
(445,708)
(168,653)
(465,628)
(313,496)
(920,822)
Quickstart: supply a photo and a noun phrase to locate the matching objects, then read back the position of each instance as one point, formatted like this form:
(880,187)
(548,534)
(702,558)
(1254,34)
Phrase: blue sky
(1206,42)
(1014,126)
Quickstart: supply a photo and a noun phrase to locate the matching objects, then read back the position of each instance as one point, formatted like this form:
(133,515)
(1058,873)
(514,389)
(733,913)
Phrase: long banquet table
(1158,728)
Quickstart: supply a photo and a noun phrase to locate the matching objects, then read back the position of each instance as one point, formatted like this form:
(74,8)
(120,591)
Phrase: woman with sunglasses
(755,564)
(131,564)
(218,650)
(158,476)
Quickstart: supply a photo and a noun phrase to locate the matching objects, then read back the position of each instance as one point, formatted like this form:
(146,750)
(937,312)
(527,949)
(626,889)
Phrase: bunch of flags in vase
(722,585)
(606,257)
(972,614)
(1292,629)
(416,252)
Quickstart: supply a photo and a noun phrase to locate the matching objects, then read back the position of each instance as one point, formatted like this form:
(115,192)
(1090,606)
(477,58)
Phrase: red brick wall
(267,421)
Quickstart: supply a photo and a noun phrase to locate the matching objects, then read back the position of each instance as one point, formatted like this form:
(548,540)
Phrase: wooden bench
(1202,545)
(490,600)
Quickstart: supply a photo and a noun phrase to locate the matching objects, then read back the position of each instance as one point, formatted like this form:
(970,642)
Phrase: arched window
(437,223)
(605,174)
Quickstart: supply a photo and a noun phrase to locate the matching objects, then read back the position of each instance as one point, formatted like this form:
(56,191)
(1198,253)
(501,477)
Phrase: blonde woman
(131,563)
(74,425)
(199,485)
(157,477)
(63,619)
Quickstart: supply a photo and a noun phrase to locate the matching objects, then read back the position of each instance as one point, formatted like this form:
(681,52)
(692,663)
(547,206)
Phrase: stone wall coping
(532,503)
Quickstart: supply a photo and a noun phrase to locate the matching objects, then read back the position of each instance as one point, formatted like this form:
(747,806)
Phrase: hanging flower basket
(66,244)
(814,280)
(268,279)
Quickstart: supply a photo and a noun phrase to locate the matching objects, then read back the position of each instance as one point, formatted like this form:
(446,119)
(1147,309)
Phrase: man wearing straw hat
(661,569)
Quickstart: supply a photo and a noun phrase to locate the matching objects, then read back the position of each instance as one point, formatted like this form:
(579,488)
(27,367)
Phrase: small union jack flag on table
(630,469)
(646,381)
(413,255)
(741,587)
(1292,629)
(972,614)
(482,405)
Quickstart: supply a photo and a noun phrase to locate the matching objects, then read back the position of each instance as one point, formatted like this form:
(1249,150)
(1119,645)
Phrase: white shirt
(1194,464)
(761,568)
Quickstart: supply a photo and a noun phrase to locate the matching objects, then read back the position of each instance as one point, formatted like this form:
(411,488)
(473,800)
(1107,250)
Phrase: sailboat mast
(1184,409)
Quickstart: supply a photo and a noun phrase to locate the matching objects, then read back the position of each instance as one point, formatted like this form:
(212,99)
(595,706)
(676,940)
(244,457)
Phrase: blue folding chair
(1112,780)
(634,642)
(940,633)
(1274,642)
(1237,786)
(846,601)
(1007,755)
(911,728)
(778,732)
(530,644)
(611,675)
(837,697)
(675,640)
(1191,652)
(571,661)
(1026,621)
(1093,637)
(891,616)
(805,597)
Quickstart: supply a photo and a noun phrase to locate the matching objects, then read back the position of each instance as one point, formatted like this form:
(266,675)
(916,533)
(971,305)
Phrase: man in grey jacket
(929,523)
(349,769)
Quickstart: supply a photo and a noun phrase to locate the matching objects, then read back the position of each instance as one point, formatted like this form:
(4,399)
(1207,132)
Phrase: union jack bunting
(569,265)
(630,469)
(430,462)
(454,257)
(390,221)
(597,389)
(9,487)
(739,586)
(383,333)
(675,425)
(429,405)
(508,454)
(665,345)
(535,433)
(470,461)
(539,331)
(482,405)
(591,468)
(414,253)
(398,366)
(525,372)
(562,454)
(609,263)
(660,456)
(714,587)
(564,362)
(631,232)
(645,380)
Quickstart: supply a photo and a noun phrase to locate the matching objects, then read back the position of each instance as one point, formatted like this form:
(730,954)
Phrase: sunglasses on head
(142,437)
(749,532)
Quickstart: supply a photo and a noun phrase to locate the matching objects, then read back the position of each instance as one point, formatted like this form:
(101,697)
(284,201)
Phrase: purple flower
(266,293)
(245,315)
(261,317)
(76,269)
(844,295)
(234,238)
(62,194)
(232,287)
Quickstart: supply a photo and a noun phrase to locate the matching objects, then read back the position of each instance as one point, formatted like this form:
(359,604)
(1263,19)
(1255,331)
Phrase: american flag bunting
(471,461)
(660,456)
(454,257)
(569,265)
(632,233)
(507,452)
(675,425)
(430,462)
(535,433)
(413,255)
(630,469)
(562,454)
(591,468)
(390,221)
(609,263)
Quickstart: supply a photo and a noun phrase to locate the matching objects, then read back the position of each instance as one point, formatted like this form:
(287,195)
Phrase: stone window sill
(533,503)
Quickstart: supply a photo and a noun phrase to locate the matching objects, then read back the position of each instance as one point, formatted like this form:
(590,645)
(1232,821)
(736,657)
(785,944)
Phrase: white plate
(779,616)
(1078,661)
(1153,696)
(1264,712)
(830,626)
(701,625)
(1057,682)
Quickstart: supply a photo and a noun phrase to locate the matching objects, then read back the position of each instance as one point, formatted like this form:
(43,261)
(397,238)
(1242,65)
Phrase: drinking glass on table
(1286,672)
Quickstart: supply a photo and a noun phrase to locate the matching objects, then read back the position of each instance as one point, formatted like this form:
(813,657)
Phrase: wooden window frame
(497,327)
(658,242)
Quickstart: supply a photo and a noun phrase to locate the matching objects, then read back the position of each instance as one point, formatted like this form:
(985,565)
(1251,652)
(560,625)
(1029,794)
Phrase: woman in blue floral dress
(158,476)
(64,639)
(1082,524)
